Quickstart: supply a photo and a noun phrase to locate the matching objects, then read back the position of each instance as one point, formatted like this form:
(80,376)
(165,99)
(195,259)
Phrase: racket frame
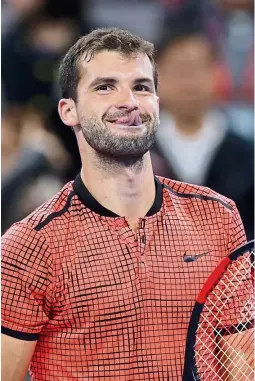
(190,372)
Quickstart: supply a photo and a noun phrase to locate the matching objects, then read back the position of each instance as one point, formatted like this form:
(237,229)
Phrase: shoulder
(28,231)
(196,193)
(55,207)
(209,210)
(238,145)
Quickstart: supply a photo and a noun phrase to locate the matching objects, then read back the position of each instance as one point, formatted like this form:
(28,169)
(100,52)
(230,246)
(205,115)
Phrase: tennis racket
(220,338)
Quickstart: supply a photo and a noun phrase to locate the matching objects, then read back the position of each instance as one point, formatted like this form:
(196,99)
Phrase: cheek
(150,105)
(92,108)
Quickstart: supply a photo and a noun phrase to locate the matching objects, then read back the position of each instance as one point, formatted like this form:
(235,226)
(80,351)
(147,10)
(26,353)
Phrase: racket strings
(206,358)
(228,311)
(209,362)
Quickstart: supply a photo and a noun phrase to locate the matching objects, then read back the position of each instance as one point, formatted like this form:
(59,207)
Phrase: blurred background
(205,58)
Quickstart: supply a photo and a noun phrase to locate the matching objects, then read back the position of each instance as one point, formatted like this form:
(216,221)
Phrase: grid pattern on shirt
(105,303)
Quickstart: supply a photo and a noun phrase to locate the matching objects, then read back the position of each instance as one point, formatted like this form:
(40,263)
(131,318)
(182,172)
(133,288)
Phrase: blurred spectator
(33,162)
(231,25)
(194,142)
(32,47)
(143,17)
(38,34)
(235,41)
(10,140)
(16,11)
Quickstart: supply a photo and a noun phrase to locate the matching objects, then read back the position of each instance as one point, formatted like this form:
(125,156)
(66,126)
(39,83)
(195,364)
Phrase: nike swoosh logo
(192,258)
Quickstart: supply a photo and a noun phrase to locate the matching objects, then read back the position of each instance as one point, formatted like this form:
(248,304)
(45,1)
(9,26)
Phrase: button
(142,223)
(120,223)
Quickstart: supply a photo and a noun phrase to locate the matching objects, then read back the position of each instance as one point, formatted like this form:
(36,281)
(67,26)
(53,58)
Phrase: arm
(15,358)
(26,297)
(237,356)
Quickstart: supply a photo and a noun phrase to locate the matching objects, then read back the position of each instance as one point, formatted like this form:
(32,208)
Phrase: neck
(188,126)
(125,186)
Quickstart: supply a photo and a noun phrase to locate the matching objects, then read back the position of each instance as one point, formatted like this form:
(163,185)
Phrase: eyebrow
(145,80)
(112,81)
(101,80)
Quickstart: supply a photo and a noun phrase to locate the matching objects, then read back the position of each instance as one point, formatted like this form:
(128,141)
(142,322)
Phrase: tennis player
(96,284)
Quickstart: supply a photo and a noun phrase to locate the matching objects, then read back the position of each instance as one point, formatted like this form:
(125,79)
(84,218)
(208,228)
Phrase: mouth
(124,125)
(133,120)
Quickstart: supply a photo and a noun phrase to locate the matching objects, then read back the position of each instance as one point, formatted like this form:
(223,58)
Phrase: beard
(109,144)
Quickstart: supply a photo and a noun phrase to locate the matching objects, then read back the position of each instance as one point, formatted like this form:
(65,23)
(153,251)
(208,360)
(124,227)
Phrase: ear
(67,112)
(157,100)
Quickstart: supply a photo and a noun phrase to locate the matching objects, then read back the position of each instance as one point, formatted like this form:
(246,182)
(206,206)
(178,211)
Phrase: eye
(104,88)
(142,88)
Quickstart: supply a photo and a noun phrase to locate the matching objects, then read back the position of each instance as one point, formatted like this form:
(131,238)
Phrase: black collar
(90,202)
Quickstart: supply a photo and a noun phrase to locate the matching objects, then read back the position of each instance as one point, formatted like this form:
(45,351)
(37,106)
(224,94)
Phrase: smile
(131,120)
(125,125)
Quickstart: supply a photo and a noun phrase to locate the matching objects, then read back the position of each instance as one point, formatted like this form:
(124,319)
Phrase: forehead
(192,48)
(114,64)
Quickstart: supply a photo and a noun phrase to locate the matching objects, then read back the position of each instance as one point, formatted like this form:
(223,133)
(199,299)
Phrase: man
(212,155)
(94,282)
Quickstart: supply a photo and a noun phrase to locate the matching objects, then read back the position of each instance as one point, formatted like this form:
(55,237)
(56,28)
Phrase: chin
(127,150)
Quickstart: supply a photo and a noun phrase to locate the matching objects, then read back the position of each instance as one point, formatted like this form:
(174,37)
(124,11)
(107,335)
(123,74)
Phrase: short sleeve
(27,282)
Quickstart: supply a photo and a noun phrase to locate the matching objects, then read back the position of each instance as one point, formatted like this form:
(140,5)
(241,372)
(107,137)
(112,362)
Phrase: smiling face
(117,105)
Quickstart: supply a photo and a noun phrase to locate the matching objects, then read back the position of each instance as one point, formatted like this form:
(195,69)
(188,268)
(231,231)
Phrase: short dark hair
(180,32)
(111,39)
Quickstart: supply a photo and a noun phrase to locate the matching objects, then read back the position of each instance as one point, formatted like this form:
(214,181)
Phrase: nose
(127,101)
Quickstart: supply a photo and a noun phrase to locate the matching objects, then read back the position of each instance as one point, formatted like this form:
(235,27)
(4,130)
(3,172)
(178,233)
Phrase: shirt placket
(136,242)
(142,240)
